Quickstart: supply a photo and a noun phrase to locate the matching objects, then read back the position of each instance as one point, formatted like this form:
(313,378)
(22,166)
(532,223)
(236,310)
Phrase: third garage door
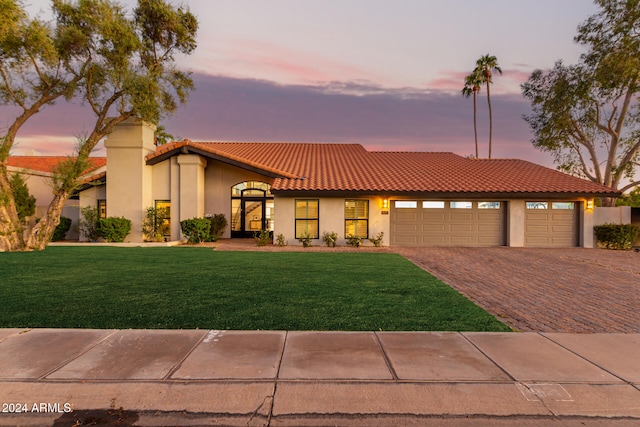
(447,223)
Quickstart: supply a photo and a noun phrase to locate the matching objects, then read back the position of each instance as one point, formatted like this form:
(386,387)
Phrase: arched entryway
(251,208)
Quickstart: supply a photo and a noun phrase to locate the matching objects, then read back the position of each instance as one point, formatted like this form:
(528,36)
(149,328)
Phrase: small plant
(61,229)
(280,240)
(305,239)
(377,241)
(354,241)
(196,230)
(114,229)
(155,224)
(263,237)
(330,238)
(218,224)
(88,223)
(616,236)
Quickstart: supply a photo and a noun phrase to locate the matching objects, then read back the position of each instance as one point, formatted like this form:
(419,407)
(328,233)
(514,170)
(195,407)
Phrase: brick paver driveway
(544,290)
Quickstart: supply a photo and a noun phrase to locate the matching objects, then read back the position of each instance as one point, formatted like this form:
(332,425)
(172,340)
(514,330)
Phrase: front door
(251,213)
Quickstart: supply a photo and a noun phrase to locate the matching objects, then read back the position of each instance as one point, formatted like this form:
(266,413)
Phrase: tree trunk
(41,234)
(608,202)
(11,229)
(475,126)
(490,117)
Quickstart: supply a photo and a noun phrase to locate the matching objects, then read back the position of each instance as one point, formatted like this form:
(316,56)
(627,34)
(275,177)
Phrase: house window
(102,208)
(461,205)
(356,218)
(166,218)
(433,204)
(537,205)
(307,218)
(403,204)
(562,205)
(488,205)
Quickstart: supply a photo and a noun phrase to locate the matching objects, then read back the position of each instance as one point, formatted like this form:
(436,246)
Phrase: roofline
(448,194)
(190,149)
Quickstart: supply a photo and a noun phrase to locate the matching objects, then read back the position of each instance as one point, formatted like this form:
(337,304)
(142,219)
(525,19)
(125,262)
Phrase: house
(414,198)
(37,172)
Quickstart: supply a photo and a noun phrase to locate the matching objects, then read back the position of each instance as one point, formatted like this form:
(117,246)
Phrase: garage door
(551,224)
(447,223)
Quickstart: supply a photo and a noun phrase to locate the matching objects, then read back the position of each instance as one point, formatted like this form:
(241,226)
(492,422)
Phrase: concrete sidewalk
(196,377)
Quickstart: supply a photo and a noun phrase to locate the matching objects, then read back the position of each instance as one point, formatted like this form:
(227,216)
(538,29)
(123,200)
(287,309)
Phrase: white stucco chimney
(129,179)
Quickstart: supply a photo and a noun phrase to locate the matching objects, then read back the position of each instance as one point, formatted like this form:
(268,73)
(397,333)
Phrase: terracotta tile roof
(48,163)
(350,167)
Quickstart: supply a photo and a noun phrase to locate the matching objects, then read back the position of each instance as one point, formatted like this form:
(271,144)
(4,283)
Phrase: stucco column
(587,236)
(129,179)
(516,223)
(191,186)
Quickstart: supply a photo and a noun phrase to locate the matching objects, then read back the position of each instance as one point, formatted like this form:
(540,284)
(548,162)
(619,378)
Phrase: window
(537,205)
(164,216)
(307,218)
(432,205)
(461,205)
(251,189)
(102,208)
(488,205)
(402,204)
(356,218)
(562,205)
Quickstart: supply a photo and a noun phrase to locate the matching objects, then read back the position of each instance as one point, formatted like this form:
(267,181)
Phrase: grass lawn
(188,288)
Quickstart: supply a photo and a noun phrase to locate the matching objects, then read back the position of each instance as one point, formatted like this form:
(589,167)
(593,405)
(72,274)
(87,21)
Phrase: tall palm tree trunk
(490,118)
(475,122)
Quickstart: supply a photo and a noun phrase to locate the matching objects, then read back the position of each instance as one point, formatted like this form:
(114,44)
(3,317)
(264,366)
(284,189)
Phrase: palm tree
(472,85)
(485,65)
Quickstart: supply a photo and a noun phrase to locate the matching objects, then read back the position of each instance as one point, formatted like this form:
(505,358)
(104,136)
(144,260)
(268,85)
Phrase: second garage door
(551,224)
(447,223)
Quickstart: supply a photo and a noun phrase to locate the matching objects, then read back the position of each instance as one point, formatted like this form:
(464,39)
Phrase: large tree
(485,66)
(472,84)
(587,115)
(122,66)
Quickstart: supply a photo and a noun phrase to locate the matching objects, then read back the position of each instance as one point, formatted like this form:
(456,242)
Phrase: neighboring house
(37,173)
(414,198)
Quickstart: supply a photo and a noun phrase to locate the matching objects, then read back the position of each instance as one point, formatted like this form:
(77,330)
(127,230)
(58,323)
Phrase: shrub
(280,240)
(354,241)
(154,224)
(218,224)
(330,238)
(113,228)
(88,223)
(196,230)
(263,237)
(25,202)
(616,236)
(61,229)
(305,240)
(377,241)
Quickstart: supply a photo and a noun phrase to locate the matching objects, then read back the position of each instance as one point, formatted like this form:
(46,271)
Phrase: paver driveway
(543,290)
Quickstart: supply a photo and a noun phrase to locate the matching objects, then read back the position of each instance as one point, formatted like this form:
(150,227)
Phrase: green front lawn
(188,287)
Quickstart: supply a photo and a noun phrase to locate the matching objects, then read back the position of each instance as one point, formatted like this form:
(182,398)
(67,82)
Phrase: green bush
(155,224)
(196,230)
(61,230)
(263,238)
(305,239)
(354,241)
(88,223)
(330,238)
(377,241)
(114,229)
(616,236)
(218,224)
(280,240)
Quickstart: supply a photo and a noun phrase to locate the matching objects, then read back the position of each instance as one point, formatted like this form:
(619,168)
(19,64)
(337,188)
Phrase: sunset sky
(383,73)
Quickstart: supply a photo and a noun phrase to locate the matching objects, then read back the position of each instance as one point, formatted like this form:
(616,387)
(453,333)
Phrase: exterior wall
(129,189)
(515,223)
(331,218)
